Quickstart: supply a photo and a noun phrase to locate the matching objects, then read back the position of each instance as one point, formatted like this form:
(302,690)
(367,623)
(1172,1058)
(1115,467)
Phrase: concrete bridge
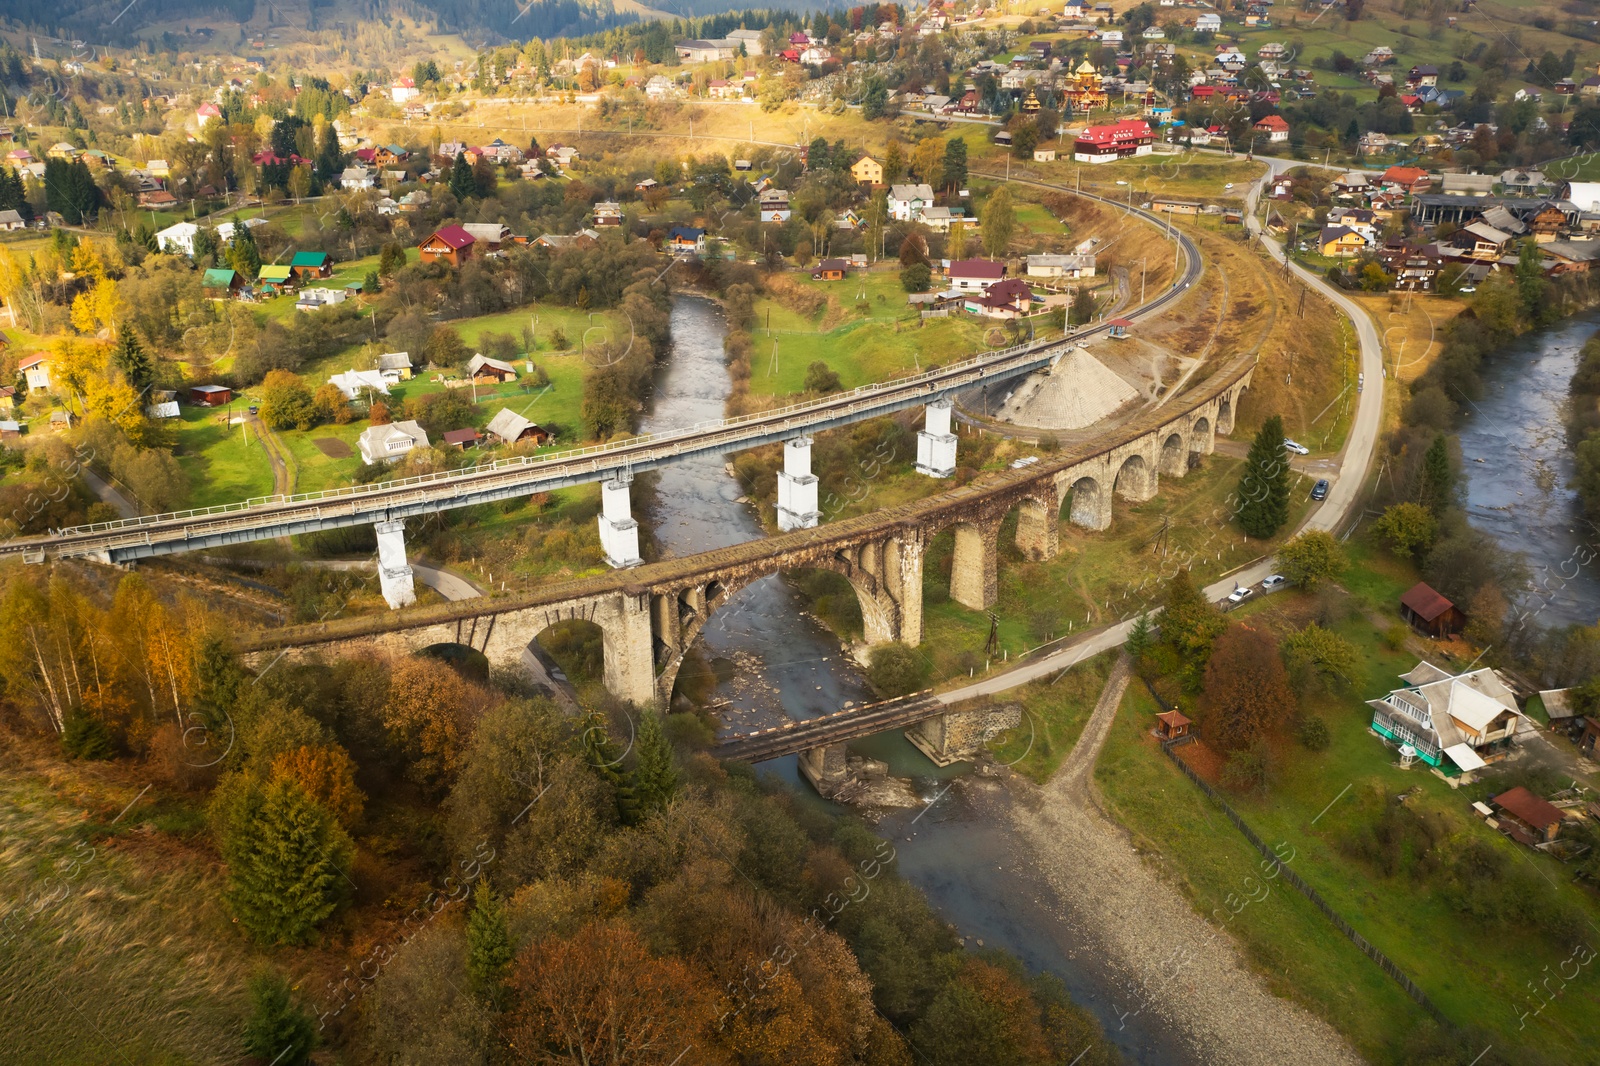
(651,615)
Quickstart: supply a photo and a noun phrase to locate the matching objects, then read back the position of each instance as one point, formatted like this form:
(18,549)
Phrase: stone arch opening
(1201,440)
(1088,504)
(1136,479)
(1225,413)
(577,646)
(467,661)
(1174,456)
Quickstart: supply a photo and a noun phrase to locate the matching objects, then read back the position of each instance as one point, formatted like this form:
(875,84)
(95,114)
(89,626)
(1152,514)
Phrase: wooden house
(210,395)
(1429,612)
(1527,817)
(312,265)
(486,371)
(1172,725)
(451,244)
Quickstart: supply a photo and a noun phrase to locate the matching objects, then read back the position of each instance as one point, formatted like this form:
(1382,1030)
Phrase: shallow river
(775,659)
(1520,493)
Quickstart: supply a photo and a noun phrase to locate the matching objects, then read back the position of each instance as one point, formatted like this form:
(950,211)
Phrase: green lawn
(1325,806)
(1054,714)
(882,340)
(225,464)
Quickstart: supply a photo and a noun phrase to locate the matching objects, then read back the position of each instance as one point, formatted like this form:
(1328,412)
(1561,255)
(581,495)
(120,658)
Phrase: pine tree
(130,357)
(1189,625)
(461,183)
(488,944)
(1438,485)
(1139,638)
(243,254)
(655,780)
(285,857)
(1263,505)
(278,1031)
(604,759)
(371,285)
(953,172)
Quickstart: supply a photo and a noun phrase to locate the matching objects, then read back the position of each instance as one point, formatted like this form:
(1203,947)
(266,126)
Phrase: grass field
(1054,713)
(1316,804)
(225,464)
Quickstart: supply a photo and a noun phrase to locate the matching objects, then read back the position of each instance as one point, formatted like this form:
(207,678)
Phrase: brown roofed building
(449,243)
(1538,820)
(1429,612)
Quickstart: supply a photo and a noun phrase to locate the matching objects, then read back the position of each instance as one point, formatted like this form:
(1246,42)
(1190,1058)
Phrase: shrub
(86,737)
(278,1031)
(1314,734)
(1247,769)
(915,277)
(897,669)
(821,378)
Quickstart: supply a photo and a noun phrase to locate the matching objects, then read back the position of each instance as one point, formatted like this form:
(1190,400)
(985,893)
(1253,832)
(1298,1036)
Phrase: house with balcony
(393,440)
(1456,723)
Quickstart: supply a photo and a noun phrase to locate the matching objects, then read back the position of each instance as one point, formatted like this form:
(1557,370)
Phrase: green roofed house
(276,278)
(219,283)
(312,264)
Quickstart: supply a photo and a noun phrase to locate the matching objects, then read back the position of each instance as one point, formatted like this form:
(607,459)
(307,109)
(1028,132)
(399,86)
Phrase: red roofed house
(1527,817)
(36,368)
(1274,126)
(449,243)
(974,275)
(1007,298)
(1412,179)
(1430,613)
(1105,144)
(206,112)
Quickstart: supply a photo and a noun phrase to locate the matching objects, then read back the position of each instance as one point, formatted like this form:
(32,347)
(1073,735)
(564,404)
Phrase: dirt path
(1171,960)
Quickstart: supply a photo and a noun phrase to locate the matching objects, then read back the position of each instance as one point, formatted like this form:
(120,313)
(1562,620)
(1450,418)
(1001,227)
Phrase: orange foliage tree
(600,997)
(1246,688)
(328,776)
(429,714)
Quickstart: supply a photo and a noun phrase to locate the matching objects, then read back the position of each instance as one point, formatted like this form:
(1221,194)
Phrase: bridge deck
(836,728)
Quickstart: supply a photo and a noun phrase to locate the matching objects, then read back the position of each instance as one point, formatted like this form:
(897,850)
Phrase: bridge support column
(825,768)
(953,736)
(797,487)
(630,669)
(1038,531)
(975,569)
(619,533)
(394,575)
(936,445)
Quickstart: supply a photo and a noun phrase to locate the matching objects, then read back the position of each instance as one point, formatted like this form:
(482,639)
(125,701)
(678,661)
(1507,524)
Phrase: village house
(974,275)
(1455,723)
(831,270)
(395,366)
(462,439)
(1106,144)
(512,428)
(1429,612)
(774,205)
(452,244)
(907,202)
(867,171)
(1051,267)
(607,213)
(315,299)
(1526,818)
(36,370)
(379,444)
(1341,242)
(1408,180)
(1275,128)
(354,383)
(682,240)
(487,371)
(312,264)
(1006,298)
(210,395)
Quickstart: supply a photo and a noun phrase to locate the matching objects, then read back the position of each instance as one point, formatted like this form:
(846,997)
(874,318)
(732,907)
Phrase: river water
(774,660)
(1520,493)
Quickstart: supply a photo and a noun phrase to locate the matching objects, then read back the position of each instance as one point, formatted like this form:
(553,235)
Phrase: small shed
(210,395)
(219,282)
(60,420)
(462,439)
(1527,817)
(1119,328)
(162,409)
(1172,725)
(10,429)
(276,278)
(1429,612)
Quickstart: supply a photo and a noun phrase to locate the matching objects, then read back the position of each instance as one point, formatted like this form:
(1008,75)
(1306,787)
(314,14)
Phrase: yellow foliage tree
(328,776)
(98,308)
(86,262)
(76,363)
(429,713)
(118,403)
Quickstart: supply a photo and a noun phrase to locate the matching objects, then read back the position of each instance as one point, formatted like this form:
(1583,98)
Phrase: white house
(1454,722)
(353,382)
(1210,22)
(356,178)
(974,275)
(403,91)
(907,202)
(1066,267)
(225,231)
(318,298)
(381,443)
(177,239)
(36,368)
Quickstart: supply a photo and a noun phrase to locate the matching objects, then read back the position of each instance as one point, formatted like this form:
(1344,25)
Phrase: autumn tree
(1409,529)
(1320,656)
(999,220)
(983,1014)
(328,776)
(1246,688)
(286,859)
(1311,558)
(1263,496)
(286,401)
(429,713)
(600,997)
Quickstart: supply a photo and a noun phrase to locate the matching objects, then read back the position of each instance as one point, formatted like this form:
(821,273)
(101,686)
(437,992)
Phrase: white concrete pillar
(619,533)
(936,446)
(797,487)
(394,575)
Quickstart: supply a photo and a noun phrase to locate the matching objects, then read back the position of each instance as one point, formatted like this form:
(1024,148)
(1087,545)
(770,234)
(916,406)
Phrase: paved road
(1332,515)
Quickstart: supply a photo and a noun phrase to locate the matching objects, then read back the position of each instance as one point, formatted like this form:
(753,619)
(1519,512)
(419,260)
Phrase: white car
(1274,581)
(1239,595)
(1297,448)
(1228,186)
(1121,182)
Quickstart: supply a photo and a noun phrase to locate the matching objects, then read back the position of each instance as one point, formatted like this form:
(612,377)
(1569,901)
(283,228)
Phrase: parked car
(1361,382)
(1239,595)
(1319,491)
(1297,448)
(1274,581)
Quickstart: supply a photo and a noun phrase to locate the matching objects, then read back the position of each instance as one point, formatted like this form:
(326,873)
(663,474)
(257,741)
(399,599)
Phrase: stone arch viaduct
(651,615)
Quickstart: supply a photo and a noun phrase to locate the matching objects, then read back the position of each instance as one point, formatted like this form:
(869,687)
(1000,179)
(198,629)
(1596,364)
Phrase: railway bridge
(650,615)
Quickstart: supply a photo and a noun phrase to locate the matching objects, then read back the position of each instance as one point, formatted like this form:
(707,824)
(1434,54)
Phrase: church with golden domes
(1084,89)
